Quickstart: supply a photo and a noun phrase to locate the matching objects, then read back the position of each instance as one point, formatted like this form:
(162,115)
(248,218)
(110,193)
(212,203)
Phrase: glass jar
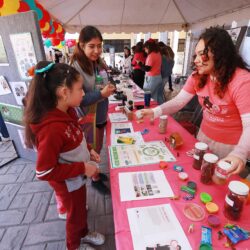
(163,124)
(199,151)
(220,172)
(235,199)
(207,167)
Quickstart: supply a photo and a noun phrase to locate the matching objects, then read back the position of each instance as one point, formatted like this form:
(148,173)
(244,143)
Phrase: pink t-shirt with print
(221,117)
(154,60)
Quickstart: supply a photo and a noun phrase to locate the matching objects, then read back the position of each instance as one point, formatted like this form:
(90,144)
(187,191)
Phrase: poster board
(139,155)
(3,56)
(24,52)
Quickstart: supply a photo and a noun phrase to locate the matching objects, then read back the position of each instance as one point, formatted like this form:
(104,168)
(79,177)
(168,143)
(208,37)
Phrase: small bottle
(235,199)
(220,172)
(207,167)
(199,151)
(163,124)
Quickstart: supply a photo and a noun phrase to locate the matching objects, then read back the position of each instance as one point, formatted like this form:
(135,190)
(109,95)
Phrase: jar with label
(207,167)
(235,199)
(220,172)
(199,151)
(163,124)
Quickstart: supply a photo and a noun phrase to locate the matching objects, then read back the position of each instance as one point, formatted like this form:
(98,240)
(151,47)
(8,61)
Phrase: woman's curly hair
(226,58)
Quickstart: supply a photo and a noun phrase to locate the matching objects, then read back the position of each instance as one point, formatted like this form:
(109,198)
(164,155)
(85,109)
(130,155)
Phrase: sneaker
(103,177)
(62,216)
(84,246)
(94,238)
(100,187)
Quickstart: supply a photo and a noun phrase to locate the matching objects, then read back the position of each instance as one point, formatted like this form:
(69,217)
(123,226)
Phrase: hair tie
(45,69)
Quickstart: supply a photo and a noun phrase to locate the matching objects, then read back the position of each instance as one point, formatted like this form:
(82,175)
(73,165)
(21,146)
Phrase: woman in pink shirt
(153,79)
(222,82)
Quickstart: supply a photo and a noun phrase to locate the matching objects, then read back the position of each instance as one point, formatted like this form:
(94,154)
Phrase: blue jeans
(3,128)
(154,84)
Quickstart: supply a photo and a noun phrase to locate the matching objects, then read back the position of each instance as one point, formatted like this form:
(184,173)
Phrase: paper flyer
(144,185)
(121,128)
(127,139)
(156,228)
(117,117)
(137,155)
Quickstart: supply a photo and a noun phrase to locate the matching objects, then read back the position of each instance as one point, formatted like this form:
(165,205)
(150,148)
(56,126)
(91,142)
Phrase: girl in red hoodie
(63,154)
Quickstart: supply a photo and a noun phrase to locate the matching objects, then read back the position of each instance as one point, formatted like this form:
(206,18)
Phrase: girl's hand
(144,113)
(91,169)
(94,156)
(237,164)
(108,90)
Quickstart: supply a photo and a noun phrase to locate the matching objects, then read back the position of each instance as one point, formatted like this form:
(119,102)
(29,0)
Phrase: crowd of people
(62,98)
(150,67)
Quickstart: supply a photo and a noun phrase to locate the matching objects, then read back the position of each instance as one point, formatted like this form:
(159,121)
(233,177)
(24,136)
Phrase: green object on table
(205,247)
(188,190)
(205,197)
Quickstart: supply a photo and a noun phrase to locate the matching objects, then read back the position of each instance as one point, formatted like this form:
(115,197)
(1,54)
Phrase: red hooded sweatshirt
(62,149)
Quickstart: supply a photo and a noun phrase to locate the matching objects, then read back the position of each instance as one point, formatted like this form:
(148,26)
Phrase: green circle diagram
(151,151)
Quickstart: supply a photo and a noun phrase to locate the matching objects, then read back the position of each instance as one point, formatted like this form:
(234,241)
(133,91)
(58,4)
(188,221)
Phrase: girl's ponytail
(42,96)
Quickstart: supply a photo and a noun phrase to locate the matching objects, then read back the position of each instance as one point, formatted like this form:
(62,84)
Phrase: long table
(122,230)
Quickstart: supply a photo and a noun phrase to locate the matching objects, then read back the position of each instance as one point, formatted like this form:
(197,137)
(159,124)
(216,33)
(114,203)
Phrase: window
(118,44)
(181,45)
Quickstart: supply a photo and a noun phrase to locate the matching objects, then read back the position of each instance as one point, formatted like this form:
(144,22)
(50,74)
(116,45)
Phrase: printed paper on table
(121,128)
(144,185)
(125,139)
(137,155)
(156,226)
(118,117)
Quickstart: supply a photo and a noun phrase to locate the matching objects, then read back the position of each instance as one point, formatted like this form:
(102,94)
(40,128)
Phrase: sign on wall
(24,52)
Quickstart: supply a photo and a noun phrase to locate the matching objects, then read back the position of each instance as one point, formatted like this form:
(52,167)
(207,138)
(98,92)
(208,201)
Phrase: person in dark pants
(138,73)
(4,132)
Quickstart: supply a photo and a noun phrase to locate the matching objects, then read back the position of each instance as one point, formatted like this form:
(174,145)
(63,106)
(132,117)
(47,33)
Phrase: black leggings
(138,77)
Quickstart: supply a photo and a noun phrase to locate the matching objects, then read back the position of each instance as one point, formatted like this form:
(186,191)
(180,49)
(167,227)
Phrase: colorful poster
(3,56)
(24,51)
(144,185)
(121,128)
(19,90)
(138,155)
(12,114)
(155,228)
(127,139)
(4,86)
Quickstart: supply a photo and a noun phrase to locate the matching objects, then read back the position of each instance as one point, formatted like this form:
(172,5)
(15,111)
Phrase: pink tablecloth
(122,231)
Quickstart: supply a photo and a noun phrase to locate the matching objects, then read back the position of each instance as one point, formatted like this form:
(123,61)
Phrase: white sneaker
(62,216)
(94,238)
(84,246)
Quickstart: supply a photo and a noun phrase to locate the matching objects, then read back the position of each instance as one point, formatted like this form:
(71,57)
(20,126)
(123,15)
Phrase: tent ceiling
(137,15)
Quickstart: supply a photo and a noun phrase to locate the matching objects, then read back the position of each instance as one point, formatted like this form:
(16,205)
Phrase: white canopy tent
(145,15)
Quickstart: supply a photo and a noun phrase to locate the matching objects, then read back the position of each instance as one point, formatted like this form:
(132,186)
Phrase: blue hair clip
(45,69)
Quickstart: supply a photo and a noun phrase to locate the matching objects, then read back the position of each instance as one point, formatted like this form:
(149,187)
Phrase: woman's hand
(91,169)
(108,90)
(237,164)
(144,113)
(94,156)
